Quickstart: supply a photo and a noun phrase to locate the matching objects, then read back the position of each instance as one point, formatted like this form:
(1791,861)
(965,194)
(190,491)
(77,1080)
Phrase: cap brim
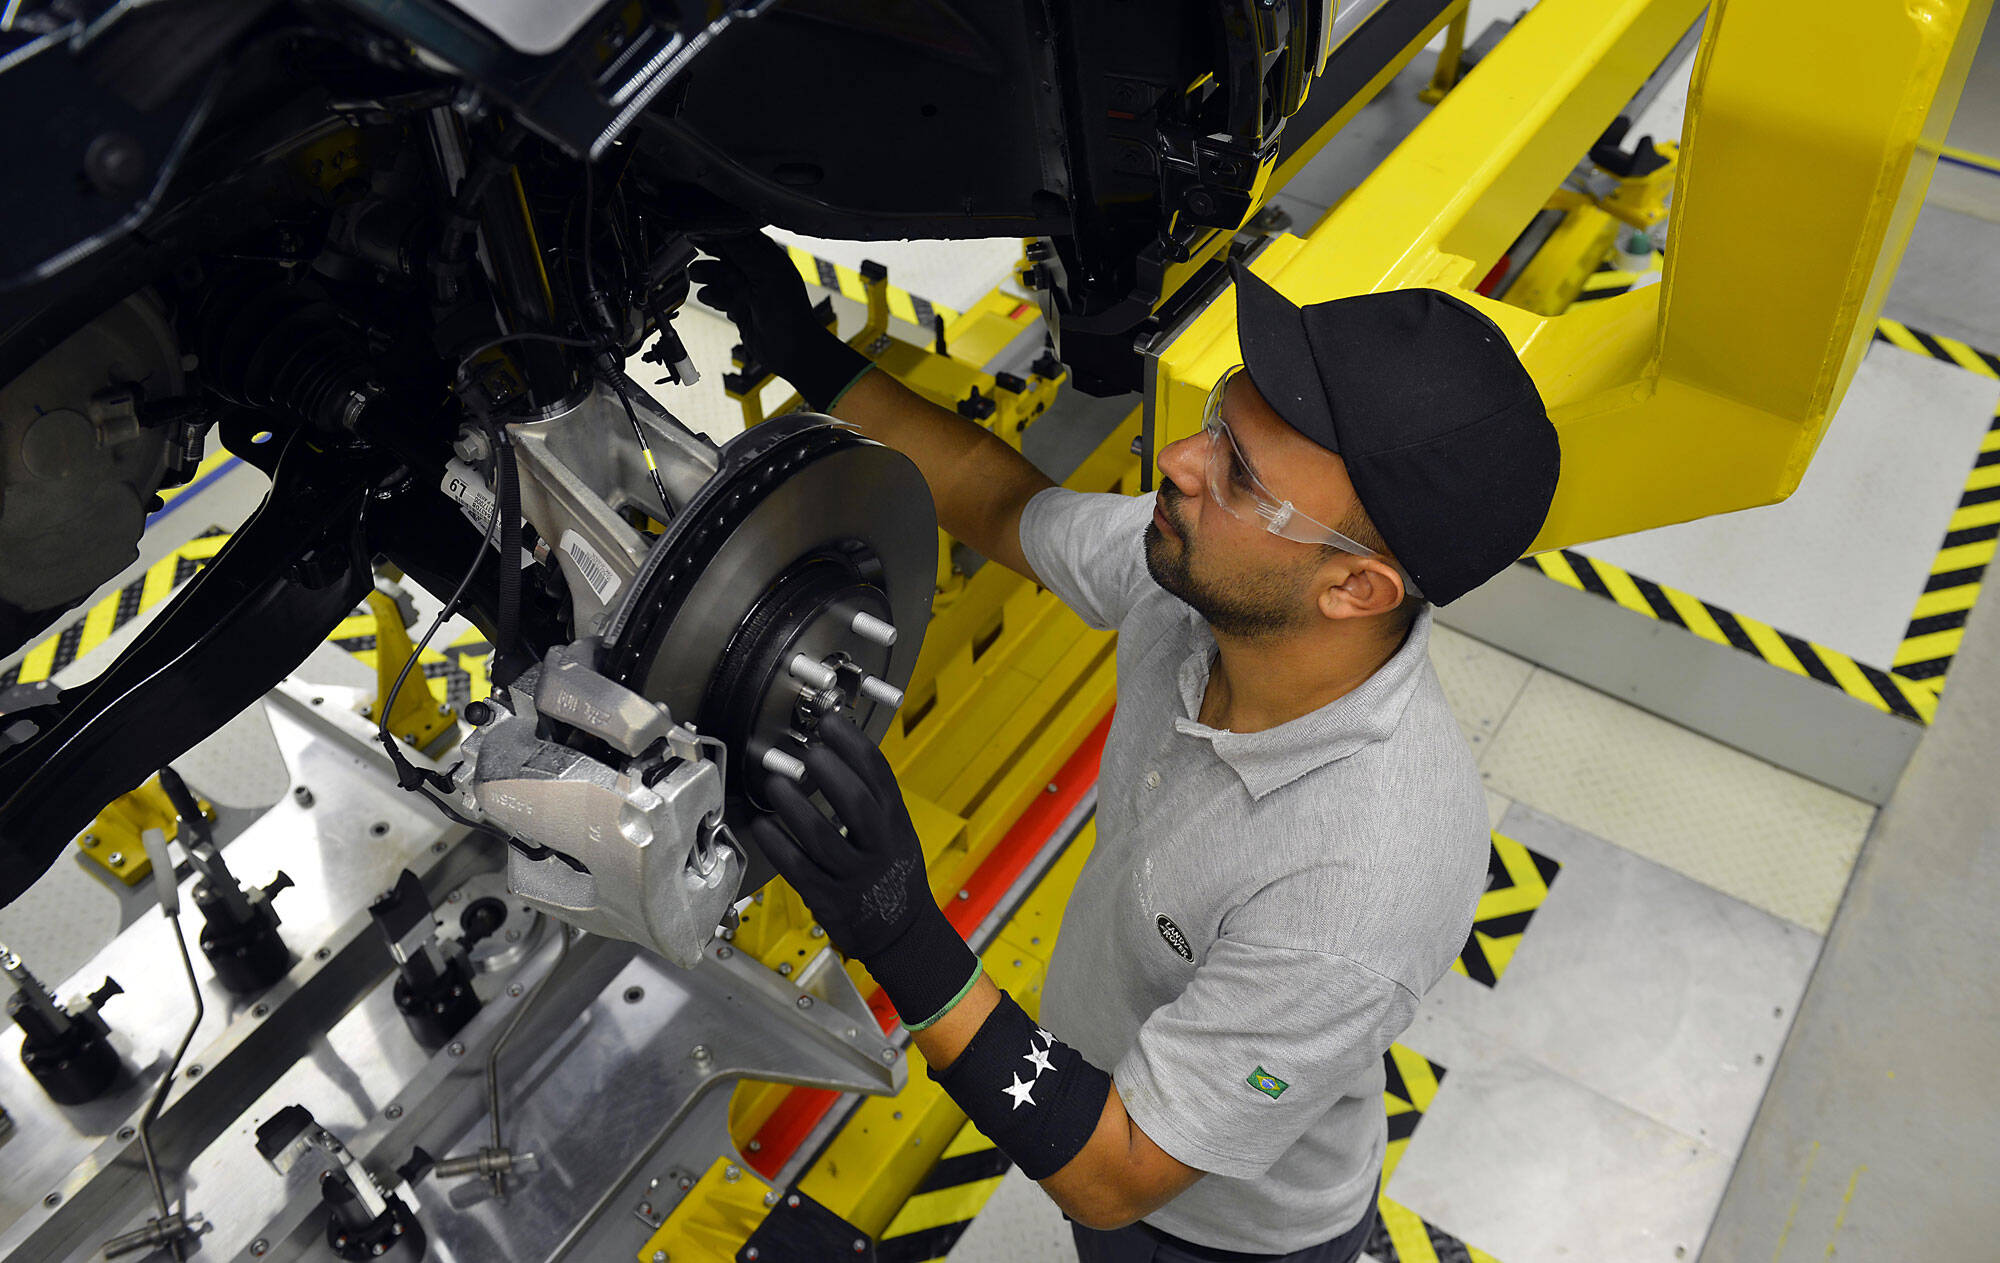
(1271,335)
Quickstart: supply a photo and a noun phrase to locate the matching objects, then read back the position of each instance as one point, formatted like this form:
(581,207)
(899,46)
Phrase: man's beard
(1252,606)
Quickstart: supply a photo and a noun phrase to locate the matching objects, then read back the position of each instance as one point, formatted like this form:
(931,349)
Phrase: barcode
(592,567)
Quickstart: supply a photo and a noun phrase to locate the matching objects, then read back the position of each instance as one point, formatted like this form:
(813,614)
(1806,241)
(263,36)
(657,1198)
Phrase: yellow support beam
(1708,393)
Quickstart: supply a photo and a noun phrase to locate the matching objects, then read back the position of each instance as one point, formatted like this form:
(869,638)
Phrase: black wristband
(1032,1095)
(925,969)
(823,368)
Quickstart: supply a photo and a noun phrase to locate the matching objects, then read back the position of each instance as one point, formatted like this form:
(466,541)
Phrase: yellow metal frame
(114,842)
(1709,392)
(419,716)
(1588,235)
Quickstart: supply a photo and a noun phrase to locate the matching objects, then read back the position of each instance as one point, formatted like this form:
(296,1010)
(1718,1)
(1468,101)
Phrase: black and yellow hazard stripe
(1410,1082)
(1401,1235)
(1937,624)
(1885,690)
(1517,881)
(85,633)
(1938,347)
(840,279)
(461,664)
(946,1202)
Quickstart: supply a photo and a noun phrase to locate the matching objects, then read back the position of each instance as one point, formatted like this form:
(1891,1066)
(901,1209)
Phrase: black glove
(868,888)
(752,281)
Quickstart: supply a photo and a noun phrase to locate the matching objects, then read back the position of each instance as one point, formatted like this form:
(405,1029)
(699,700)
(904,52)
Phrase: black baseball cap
(1443,432)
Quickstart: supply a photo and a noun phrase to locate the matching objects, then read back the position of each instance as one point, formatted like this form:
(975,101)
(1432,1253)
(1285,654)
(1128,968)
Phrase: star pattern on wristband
(1039,1059)
(1048,1040)
(1020,1092)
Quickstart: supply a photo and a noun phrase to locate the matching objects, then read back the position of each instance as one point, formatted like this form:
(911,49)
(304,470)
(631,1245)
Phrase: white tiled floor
(1732,822)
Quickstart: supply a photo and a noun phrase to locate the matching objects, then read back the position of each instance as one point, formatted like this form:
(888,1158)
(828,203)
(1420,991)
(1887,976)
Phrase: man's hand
(752,281)
(867,887)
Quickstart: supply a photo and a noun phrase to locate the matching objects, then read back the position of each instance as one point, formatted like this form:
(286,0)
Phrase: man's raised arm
(980,484)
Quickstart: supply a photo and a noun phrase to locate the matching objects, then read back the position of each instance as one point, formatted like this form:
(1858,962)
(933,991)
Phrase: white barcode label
(590,565)
(464,485)
(474,499)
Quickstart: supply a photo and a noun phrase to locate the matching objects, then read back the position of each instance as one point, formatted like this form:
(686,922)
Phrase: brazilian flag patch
(1267,1083)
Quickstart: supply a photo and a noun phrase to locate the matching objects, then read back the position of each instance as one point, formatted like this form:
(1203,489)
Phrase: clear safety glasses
(1242,494)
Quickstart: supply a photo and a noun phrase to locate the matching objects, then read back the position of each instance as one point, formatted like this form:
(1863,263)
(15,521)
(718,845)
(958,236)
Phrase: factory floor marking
(85,633)
(1937,624)
(1885,690)
(1401,1235)
(1517,881)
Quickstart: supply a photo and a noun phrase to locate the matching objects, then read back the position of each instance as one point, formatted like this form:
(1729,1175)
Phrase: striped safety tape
(1910,687)
(1517,881)
(1401,1235)
(945,1203)
(81,635)
(1937,624)
(462,664)
(1884,690)
(844,280)
(1938,347)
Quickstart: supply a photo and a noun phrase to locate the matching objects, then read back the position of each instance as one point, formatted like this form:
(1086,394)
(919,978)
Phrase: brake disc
(805,525)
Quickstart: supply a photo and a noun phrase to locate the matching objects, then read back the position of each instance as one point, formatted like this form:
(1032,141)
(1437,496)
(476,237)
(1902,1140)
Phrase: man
(1291,834)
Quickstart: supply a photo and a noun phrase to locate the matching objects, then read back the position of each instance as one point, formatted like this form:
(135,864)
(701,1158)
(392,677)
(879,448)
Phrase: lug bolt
(873,629)
(778,763)
(881,691)
(807,671)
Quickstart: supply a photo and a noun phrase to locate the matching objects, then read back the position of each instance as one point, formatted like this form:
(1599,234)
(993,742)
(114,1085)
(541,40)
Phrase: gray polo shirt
(1262,911)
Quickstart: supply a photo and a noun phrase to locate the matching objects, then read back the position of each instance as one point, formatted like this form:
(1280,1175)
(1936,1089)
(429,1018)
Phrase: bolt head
(724,952)
(393,1111)
(514,989)
(117,858)
(90,839)
(756,1146)
(260,1247)
(888,1055)
(750,1252)
(456,1049)
(771,1198)
(732,1173)
(860,1246)
(260,1010)
(793,1201)
(785,968)
(323,953)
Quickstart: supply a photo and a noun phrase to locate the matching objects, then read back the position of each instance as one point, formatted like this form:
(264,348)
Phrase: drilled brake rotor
(804,525)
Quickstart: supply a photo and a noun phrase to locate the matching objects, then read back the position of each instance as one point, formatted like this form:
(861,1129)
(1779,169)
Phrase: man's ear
(1360,587)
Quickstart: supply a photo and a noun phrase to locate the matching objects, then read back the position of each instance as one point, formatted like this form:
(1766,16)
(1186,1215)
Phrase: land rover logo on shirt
(1175,939)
